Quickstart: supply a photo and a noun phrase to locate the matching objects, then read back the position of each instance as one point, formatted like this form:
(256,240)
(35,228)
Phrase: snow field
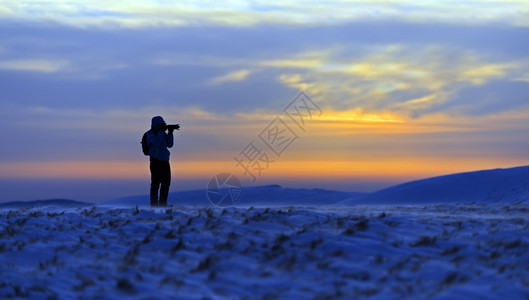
(456,251)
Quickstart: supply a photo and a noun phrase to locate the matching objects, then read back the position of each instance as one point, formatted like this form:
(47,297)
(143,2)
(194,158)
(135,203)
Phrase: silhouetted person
(158,141)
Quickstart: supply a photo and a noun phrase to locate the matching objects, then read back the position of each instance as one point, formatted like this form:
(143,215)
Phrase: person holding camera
(158,141)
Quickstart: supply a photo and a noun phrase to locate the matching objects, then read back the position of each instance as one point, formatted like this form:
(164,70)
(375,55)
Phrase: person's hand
(171,130)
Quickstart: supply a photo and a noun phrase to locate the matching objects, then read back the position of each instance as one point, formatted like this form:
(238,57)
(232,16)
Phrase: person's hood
(157,122)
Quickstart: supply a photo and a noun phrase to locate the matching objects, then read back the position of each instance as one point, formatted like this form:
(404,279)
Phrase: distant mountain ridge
(488,186)
(67,203)
(509,186)
(269,195)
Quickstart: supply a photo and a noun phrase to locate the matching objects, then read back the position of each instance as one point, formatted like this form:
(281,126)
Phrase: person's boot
(154,203)
(163,203)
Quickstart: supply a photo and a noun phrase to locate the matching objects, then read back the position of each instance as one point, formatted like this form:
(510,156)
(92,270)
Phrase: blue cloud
(492,98)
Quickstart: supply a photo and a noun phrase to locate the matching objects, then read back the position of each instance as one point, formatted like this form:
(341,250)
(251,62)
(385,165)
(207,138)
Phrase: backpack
(144,145)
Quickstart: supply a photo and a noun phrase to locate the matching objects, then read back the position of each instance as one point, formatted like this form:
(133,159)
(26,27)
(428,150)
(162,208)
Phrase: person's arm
(170,139)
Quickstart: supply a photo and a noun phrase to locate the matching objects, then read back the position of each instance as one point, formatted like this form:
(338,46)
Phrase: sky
(345,95)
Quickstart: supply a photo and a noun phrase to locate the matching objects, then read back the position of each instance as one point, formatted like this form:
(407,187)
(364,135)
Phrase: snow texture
(371,252)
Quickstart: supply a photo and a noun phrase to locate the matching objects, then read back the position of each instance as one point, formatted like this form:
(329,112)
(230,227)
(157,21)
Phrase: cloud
(122,120)
(524,78)
(234,76)
(35,65)
(417,103)
(411,80)
(481,74)
(416,76)
(6,11)
(304,60)
(358,116)
(195,59)
(144,13)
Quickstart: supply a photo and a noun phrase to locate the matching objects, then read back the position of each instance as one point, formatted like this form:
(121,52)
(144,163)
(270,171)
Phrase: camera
(173,127)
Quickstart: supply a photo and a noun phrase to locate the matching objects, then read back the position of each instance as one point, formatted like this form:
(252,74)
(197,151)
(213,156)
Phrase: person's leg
(155,181)
(165,174)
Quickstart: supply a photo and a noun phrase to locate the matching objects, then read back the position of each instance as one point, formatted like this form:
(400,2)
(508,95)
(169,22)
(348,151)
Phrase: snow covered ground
(447,251)
(465,236)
